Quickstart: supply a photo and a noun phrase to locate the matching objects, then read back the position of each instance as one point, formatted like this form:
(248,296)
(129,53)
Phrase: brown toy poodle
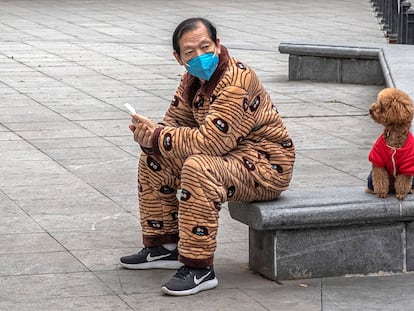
(392,156)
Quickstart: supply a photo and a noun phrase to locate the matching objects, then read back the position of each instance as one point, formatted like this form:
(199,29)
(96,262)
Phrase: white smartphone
(130,108)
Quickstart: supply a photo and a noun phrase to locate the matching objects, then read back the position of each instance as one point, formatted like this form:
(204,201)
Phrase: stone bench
(334,231)
(337,231)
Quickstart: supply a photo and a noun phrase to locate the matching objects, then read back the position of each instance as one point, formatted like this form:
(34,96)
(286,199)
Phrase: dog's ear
(400,111)
(410,110)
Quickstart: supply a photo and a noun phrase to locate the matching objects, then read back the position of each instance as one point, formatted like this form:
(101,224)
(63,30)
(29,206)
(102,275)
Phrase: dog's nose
(370,111)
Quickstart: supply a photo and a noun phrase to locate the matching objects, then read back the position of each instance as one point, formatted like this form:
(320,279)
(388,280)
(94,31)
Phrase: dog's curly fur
(394,110)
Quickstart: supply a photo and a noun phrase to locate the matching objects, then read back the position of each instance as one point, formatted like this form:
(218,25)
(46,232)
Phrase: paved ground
(68,162)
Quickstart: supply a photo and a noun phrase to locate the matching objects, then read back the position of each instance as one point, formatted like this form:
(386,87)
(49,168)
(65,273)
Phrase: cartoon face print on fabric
(255,104)
(185,195)
(249,164)
(221,124)
(166,189)
(167,142)
(156,224)
(231,191)
(153,164)
(200,230)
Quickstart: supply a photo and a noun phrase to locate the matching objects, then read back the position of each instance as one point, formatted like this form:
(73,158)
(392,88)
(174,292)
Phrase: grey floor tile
(303,295)
(66,192)
(238,276)
(39,263)
(94,239)
(86,221)
(220,299)
(104,259)
(77,200)
(123,281)
(36,287)
(14,220)
(28,243)
(98,302)
(233,253)
(16,223)
(385,293)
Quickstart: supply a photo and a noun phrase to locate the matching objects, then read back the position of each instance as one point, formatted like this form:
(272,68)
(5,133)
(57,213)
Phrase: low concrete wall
(339,70)
(391,65)
(337,64)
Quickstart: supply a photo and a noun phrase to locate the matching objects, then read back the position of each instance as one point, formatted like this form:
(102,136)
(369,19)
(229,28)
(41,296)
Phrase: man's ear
(178,58)
(218,45)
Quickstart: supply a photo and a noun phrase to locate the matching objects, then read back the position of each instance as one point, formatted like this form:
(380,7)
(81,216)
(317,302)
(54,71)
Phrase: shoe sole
(158,264)
(210,284)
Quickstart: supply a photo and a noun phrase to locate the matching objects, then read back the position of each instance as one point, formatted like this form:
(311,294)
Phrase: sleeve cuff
(155,138)
(147,150)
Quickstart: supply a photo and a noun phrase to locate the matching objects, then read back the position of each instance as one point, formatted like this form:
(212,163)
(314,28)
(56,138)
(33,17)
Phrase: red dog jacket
(395,160)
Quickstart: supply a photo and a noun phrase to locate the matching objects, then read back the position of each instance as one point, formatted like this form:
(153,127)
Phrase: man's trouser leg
(158,180)
(206,182)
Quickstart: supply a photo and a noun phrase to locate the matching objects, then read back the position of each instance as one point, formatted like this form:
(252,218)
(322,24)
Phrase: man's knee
(194,164)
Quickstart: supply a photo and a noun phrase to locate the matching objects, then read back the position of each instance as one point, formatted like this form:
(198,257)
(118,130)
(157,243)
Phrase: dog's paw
(382,195)
(400,196)
(367,190)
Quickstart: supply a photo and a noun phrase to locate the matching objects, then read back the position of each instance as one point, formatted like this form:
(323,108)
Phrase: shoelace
(182,272)
(143,250)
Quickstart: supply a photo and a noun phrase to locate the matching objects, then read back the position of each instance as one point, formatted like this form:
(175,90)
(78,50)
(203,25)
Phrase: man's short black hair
(191,24)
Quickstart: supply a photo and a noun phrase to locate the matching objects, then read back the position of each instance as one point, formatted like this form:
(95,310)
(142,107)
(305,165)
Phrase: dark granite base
(298,254)
(410,246)
(337,70)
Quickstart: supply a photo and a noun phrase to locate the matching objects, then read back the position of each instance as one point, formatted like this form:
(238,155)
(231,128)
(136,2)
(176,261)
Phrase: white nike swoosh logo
(198,281)
(152,258)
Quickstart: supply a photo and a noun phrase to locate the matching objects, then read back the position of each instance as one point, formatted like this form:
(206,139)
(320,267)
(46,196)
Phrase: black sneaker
(152,258)
(188,281)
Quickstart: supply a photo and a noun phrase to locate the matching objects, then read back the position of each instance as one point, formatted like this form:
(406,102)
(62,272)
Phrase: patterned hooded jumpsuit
(220,141)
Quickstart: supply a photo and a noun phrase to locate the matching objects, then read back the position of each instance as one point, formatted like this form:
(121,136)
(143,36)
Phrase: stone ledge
(398,66)
(339,64)
(393,61)
(329,50)
(391,65)
(336,206)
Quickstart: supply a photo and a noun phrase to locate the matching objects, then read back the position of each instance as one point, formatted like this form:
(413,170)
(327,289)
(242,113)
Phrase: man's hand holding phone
(142,127)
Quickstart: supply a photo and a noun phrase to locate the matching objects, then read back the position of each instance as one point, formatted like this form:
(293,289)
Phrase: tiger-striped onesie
(220,141)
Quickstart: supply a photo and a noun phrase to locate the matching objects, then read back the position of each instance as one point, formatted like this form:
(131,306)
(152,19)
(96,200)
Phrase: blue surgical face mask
(203,66)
